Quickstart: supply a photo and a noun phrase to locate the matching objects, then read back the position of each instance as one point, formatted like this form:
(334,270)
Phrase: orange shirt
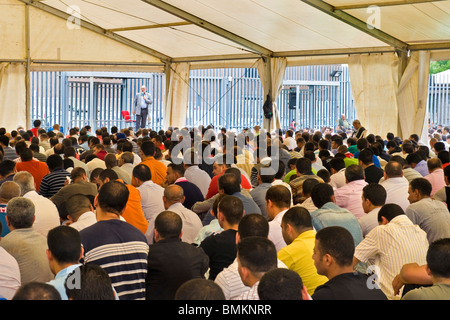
(133,213)
(38,170)
(157,168)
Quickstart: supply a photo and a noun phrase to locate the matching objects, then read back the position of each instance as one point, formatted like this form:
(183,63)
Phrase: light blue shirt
(422,168)
(60,279)
(331,214)
(212,228)
(142,102)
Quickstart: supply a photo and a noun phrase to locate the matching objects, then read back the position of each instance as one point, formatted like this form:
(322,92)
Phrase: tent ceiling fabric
(217,30)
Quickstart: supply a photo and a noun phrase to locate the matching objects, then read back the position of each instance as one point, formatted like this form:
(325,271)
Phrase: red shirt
(35,131)
(38,170)
(214,185)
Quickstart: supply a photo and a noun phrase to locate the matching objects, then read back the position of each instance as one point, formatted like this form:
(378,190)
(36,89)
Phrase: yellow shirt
(297,256)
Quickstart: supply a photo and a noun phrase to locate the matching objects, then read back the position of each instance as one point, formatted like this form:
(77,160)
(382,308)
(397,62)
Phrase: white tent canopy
(387,43)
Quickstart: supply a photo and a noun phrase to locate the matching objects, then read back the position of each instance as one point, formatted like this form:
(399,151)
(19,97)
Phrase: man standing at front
(142,101)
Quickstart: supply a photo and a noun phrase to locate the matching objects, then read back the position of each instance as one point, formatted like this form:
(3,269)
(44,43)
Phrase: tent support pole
(27,68)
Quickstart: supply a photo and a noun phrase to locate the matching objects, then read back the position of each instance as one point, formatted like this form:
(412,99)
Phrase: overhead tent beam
(332,52)
(383,4)
(217,58)
(99,30)
(210,27)
(356,23)
(430,46)
(151,26)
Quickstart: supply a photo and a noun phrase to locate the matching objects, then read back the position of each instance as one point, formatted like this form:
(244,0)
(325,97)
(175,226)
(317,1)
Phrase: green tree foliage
(439,66)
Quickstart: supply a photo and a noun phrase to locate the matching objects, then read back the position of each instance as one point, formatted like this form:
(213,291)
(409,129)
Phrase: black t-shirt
(221,250)
(348,286)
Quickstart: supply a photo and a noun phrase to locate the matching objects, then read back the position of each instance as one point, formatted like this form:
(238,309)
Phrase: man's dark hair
(34,147)
(408,148)
(390,211)
(375,193)
(322,173)
(321,194)
(179,168)
(4,140)
(64,243)
(36,291)
(413,158)
(6,167)
(199,289)
(354,172)
(253,224)
(444,156)
(279,195)
(229,183)
(303,166)
(26,154)
(337,164)
(113,197)
(439,146)
(309,184)
(54,161)
(108,173)
(366,156)
(422,185)
(142,172)
(438,258)
(310,155)
(168,224)
(338,242)
(70,152)
(298,217)
(323,144)
(95,284)
(361,144)
(337,139)
(390,136)
(258,254)
(391,144)
(280,284)
(78,204)
(447,172)
(148,148)
(232,208)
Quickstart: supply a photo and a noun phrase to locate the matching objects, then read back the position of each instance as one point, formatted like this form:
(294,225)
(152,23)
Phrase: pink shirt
(437,180)
(349,197)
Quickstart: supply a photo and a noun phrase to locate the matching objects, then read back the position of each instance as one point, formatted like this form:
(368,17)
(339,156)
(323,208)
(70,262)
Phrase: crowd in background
(211,213)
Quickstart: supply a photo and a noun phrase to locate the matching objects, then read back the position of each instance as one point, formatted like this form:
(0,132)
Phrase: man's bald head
(393,169)
(9,190)
(174,193)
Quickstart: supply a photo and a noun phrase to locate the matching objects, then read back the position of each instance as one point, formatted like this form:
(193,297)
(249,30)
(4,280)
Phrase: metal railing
(231,98)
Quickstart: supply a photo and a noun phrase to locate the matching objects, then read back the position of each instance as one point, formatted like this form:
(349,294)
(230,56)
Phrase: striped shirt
(250,294)
(52,182)
(122,251)
(391,246)
(230,281)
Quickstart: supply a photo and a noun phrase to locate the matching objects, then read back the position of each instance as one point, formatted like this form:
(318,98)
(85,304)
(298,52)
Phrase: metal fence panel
(231,98)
